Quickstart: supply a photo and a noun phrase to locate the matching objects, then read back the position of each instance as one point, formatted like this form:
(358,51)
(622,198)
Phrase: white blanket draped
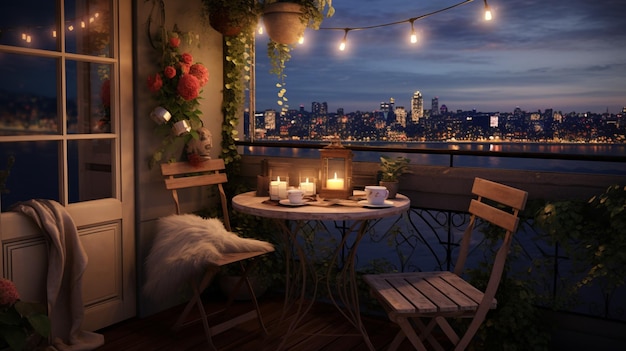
(67,261)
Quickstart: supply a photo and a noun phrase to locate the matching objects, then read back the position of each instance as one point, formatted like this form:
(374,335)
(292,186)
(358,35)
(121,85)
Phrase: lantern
(336,171)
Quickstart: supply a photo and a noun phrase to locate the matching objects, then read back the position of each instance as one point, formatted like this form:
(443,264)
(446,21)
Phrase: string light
(488,16)
(413,34)
(28,37)
(413,37)
(342,46)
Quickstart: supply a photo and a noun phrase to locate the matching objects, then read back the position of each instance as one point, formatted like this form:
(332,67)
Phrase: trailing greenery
(313,13)
(592,234)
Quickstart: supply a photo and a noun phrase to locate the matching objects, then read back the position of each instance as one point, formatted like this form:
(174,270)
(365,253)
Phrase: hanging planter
(283,22)
(231,17)
(221,22)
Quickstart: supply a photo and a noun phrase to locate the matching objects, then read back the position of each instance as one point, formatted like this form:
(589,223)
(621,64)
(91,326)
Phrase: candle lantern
(336,171)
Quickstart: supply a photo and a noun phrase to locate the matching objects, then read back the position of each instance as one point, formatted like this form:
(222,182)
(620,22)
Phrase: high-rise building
(417,107)
(434,106)
(270,119)
(319,108)
(401,114)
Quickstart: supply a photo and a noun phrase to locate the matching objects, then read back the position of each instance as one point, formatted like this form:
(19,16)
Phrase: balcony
(425,238)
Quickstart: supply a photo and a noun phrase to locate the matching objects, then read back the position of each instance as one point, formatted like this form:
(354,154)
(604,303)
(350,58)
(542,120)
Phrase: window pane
(21,26)
(35,171)
(88,27)
(28,95)
(89,167)
(88,97)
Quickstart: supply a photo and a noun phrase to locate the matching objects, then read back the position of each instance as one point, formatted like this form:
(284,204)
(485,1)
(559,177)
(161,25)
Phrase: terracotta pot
(392,187)
(220,21)
(282,22)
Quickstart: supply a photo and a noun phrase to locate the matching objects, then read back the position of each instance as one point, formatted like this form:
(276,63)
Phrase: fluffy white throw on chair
(183,247)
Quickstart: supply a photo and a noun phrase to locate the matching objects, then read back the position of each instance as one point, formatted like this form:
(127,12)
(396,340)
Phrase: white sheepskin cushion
(184,245)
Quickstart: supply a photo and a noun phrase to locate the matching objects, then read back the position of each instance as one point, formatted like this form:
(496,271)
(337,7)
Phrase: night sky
(568,55)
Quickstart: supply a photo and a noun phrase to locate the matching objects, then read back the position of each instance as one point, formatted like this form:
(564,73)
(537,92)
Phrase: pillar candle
(334,183)
(278,189)
(308,187)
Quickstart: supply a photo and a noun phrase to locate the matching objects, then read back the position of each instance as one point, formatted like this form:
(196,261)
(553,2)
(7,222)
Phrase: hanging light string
(411,21)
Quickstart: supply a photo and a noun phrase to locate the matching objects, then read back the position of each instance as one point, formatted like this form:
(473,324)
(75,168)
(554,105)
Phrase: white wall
(153,200)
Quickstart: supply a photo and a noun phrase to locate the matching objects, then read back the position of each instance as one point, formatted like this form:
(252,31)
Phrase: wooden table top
(249,203)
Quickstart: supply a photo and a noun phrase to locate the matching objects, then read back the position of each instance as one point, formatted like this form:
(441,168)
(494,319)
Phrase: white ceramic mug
(295,196)
(376,195)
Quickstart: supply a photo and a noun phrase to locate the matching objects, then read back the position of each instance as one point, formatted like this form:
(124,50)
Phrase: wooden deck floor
(323,328)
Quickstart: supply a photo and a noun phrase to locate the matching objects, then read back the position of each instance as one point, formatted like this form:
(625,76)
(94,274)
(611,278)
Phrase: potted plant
(390,170)
(230,17)
(285,22)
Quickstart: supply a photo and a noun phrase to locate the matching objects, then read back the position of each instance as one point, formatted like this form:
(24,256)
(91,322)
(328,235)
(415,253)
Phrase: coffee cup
(376,195)
(295,196)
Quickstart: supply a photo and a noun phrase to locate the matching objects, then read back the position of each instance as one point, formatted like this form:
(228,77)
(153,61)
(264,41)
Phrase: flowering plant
(20,320)
(176,87)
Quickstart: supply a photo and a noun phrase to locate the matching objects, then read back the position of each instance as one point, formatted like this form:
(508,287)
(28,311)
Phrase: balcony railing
(427,236)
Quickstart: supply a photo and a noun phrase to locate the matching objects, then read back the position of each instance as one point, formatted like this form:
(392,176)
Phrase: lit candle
(278,189)
(308,188)
(334,183)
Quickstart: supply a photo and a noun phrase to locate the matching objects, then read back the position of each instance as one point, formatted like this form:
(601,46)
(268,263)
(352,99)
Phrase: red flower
(188,87)
(169,72)
(184,67)
(8,293)
(186,58)
(174,42)
(200,72)
(155,83)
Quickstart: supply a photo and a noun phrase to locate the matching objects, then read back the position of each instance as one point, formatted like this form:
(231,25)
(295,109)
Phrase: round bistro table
(293,221)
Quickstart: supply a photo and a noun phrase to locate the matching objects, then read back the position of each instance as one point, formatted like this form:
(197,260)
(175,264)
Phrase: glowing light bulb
(488,15)
(413,34)
(70,28)
(260,30)
(301,40)
(54,33)
(82,24)
(344,42)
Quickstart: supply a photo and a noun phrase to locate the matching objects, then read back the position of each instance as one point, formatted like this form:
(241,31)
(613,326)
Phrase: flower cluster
(20,321)
(178,84)
(176,87)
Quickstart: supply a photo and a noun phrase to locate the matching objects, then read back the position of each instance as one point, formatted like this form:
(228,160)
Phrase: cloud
(539,54)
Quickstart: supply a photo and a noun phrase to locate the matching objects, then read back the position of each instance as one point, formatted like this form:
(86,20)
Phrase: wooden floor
(323,328)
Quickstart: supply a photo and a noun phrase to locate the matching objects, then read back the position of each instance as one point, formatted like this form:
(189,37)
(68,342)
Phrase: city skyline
(561,55)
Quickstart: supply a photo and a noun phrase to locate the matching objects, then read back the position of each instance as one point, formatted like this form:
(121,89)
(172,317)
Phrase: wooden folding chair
(413,299)
(181,175)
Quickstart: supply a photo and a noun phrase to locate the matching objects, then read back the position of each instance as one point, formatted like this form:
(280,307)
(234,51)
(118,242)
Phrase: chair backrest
(180,175)
(500,205)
